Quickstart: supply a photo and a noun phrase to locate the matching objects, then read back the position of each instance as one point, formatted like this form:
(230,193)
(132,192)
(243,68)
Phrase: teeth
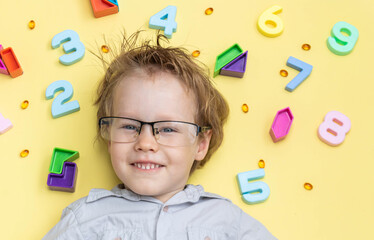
(147,166)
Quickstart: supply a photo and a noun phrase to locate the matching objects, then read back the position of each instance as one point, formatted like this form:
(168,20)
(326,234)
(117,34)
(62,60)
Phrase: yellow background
(340,206)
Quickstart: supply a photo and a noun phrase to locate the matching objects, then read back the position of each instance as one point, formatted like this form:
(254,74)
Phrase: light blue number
(74,48)
(165,20)
(255,192)
(339,43)
(304,68)
(60,106)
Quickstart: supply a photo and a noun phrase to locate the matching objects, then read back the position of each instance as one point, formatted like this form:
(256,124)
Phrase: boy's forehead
(161,94)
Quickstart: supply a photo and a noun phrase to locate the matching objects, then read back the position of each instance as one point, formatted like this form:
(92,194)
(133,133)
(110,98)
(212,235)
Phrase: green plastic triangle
(59,156)
(227,56)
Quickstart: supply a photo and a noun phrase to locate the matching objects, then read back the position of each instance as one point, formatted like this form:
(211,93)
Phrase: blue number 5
(60,106)
(74,48)
(254,192)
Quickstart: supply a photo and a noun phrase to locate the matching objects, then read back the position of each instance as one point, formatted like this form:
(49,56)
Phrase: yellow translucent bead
(25,104)
(283,73)
(208,11)
(306,47)
(105,49)
(196,53)
(245,108)
(24,153)
(32,24)
(308,186)
(261,164)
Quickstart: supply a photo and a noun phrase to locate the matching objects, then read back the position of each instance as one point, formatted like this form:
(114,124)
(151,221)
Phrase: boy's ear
(203,145)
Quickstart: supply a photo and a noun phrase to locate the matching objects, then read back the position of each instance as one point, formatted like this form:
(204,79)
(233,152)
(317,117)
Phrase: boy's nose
(146,140)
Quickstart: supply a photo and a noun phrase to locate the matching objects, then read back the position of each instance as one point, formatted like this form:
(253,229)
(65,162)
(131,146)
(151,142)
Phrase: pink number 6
(334,128)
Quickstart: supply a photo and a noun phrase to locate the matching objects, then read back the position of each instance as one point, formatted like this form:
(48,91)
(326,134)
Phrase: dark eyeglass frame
(199,129)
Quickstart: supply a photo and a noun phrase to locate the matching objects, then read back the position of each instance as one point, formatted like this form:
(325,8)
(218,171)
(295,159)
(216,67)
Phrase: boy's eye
(129,127)
(167,130)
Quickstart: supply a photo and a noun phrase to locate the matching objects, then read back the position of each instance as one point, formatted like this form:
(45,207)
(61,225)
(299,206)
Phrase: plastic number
(255,192)
(304,68)
(165,20)
(74,48)
(60,106)
(5,124)
(334,128)
(269,17)
(340,44)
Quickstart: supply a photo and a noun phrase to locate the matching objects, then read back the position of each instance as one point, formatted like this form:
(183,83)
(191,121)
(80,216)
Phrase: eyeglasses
(169,133)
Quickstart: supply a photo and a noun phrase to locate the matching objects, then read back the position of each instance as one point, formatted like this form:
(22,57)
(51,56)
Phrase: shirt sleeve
(66,229)
(251,229)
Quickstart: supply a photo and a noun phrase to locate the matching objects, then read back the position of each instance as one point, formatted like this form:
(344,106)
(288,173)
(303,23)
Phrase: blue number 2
(165,20)
(254,192)
(60,106)
(74,48)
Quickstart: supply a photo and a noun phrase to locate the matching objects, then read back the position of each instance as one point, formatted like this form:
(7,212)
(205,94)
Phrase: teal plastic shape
(165,20)
(59,156)
(226,57)
(114,2)
(340,44)
(60,105)
(73,47)
(254,192)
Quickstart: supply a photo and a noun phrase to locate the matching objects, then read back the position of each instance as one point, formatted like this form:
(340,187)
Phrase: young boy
(161,119)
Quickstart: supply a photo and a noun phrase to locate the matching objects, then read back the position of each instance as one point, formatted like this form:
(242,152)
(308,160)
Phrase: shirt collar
(191,193)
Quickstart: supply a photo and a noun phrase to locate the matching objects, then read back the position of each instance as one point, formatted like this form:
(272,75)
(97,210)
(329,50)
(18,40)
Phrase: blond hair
(212,109)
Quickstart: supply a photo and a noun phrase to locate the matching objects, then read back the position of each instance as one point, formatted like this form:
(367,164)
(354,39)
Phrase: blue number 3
(60,106)
(74,48)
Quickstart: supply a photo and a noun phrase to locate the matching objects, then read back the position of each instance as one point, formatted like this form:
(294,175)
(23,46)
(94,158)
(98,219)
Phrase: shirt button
(207,238)
(166,208)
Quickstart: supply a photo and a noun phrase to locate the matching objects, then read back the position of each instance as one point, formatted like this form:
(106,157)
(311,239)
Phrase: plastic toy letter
(74,48)
(269,17)
(165,20)
(304,68)
(60,106)
(5,124)
(254,192)
(334,128)
(339,43)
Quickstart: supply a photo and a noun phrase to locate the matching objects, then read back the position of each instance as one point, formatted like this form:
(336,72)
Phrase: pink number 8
(334,128)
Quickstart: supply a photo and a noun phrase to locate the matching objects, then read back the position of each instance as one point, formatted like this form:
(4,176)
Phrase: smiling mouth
(147,166)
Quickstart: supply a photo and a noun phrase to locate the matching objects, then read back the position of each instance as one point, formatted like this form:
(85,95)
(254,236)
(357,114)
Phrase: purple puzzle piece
(3,69)
(236,67)
(64,181)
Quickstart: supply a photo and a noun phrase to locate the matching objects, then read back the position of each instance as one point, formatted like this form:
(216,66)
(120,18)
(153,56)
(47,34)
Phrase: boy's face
(154,98)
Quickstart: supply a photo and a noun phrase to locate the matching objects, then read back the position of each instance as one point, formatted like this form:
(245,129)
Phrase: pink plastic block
(3,69)
(5,124)
(281,124)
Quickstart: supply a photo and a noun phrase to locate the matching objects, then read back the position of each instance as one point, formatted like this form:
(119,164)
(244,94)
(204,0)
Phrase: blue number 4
(254,192)
(304,68)
(165,20)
